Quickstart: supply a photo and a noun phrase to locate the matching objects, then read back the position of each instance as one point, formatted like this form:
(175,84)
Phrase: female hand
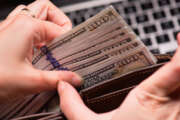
(19,33)
(156,98)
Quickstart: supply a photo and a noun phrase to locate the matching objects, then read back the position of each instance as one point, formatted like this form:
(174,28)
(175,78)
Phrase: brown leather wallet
(101,97)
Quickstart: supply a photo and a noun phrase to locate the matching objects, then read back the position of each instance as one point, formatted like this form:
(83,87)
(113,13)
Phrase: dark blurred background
(8,5)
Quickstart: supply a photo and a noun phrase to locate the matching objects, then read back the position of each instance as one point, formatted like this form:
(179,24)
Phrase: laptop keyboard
(156,22)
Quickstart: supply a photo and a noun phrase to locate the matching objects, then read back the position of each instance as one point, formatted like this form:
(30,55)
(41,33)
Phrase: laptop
(156,22)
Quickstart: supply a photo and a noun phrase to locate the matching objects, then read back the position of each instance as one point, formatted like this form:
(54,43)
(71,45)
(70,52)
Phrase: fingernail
(61,86)
(78,79)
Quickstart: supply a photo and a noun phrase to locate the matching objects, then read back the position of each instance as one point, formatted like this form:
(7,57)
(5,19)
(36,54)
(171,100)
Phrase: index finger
(45,10)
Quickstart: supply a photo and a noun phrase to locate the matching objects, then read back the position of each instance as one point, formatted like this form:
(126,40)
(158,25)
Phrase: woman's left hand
(156,98)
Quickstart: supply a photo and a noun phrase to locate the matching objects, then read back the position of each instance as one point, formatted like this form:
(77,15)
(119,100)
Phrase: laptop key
(175,11)
(167,25)
(128,20)
(142,18)
(130,9)
(146,6)
(147,41)
(163,2)
(155,51)
(162,38)
(178,21)
(136,31)
(150,29)
(116,4)
(177,1)
(175,34)
(159,15)
(75,21)
(99,8)
(83,19)
(171,52)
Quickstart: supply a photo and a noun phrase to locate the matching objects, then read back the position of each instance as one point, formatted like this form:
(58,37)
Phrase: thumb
(72,105)
(166,80)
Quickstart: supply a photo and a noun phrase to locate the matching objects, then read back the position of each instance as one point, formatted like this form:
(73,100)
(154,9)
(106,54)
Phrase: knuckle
(25,21)
(48,78)
(40,76)
(44,2)
(69,23)
(38,80)
(20,6)
(22,18)
(66,75)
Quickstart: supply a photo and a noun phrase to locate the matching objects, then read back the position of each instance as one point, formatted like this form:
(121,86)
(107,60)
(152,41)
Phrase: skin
(19,33)
(155,98)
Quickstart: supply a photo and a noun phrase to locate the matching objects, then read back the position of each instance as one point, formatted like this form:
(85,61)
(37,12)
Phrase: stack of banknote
(101,48)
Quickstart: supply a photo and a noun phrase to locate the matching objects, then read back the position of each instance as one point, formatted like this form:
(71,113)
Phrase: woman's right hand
(19,33)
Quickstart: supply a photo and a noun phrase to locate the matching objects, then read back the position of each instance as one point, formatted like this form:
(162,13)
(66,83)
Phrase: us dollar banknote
(101,48)
(95,48)
(85,30)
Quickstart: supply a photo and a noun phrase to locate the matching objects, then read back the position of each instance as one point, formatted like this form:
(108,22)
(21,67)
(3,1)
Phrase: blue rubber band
(52,60)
